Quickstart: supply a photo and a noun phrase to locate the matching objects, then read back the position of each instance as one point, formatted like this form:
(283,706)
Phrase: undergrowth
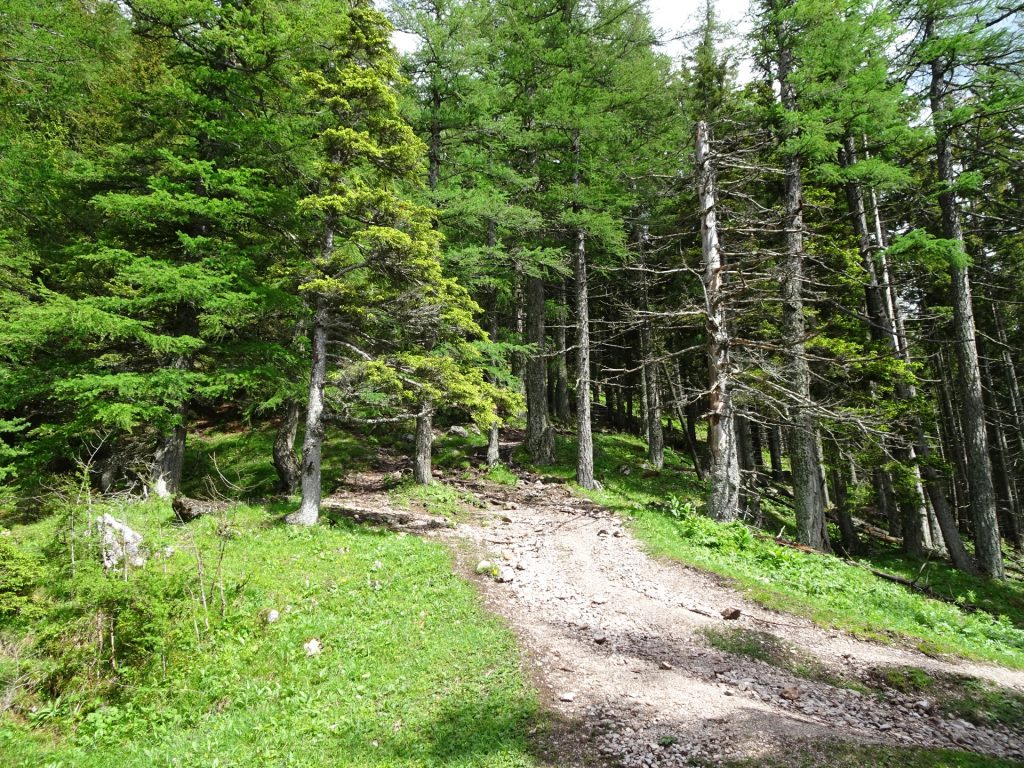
(178,663)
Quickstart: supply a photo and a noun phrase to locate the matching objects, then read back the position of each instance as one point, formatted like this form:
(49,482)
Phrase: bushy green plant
(19,573)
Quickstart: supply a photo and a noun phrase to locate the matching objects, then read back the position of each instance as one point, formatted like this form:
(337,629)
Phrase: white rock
(119,542)
(273,615)
(312,647)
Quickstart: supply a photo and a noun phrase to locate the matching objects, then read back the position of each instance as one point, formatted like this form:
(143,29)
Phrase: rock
(187,510)
(599,600)
(567,696)
(603,532)
(617,534)
(485,566)
(119,542)
(792,693)
(312,647)
(273,615)
(505,575)
(731,614)
(458,431)
(924,705)
(665,665)
(408,437)
(600,638)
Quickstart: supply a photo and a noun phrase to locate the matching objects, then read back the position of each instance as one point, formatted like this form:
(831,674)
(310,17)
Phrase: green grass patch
(412,671)
(772,650)
(665,511)
(436,499)
(501,475)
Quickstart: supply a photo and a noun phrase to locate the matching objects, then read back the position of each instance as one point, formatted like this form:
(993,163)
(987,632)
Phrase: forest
(305,333)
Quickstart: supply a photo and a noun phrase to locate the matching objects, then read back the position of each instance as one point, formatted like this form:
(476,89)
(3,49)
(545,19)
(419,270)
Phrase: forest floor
(641,661)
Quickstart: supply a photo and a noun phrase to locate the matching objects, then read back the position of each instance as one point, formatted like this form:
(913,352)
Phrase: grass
(772,650)
(412,671)
(974,700)
(435,499)
(664,508)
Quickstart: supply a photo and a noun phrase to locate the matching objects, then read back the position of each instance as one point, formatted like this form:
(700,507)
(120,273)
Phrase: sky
(671,17)
(676,16)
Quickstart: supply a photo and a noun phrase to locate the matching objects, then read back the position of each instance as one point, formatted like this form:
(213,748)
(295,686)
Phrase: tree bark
(286,463)
(422,467)
(540,438)
(775,452)
(584,436)
(312,442)
(169,460)
(724,501)
(979,465)
(808,490)
(561,404)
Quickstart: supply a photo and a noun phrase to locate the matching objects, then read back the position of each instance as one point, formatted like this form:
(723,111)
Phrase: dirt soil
(616,643)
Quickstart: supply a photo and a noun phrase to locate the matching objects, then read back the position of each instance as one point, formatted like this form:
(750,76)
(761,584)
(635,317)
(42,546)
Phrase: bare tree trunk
(286,463)
(775,452)
(540,437)
(982,491)
(309,508)
(808,490)
(724,502)
(750,497)
(561,378)
(584,437)
(422,469)
(686,422)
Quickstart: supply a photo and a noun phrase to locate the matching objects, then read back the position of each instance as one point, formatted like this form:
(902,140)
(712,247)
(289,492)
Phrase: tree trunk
(422,468)
(808,490)
(493,445)
(561,379)
(775,452)
(750,497)
(309,508)
(286,463)
(584,436)
(972,406)
(169,460)
(724,502)
(540,438)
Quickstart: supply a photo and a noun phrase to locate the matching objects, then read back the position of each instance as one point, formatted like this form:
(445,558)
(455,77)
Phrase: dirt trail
(616,643)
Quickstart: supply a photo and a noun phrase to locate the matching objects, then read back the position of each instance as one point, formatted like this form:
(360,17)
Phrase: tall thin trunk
(540,437)
(584,436)
(724,502)
(286,463)
(972,405)
(808,489)
(561,378)
(309,508)
(775,452)
(750,496)
(686,421)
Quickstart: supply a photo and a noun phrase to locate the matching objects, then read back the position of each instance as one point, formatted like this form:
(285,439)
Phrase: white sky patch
(673,20)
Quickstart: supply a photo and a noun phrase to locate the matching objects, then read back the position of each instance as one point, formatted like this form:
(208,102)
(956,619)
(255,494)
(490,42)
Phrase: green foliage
(412,673)
(19,574)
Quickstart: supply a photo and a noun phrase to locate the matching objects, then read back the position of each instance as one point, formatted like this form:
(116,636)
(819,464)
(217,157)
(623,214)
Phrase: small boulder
(505,575)
(731,614)
(458,431)
(273,615)
(485,567)
(312,647)
(118,542)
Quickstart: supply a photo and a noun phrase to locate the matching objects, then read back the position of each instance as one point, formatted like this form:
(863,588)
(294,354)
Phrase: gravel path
(616,643)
